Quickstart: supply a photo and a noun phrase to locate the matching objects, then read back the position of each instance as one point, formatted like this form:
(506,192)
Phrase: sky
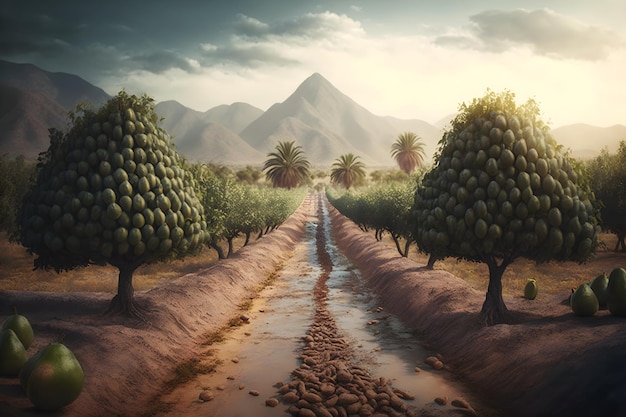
(411,59)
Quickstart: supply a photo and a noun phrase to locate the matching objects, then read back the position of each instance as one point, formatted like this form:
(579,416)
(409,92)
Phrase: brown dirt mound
(127,362)
(549,363)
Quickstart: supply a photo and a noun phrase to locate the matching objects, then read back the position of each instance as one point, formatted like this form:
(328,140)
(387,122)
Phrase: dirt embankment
(550,363)
(127,362)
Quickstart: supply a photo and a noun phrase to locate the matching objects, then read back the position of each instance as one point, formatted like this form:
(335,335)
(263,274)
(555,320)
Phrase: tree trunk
(230,247)
(407,247)
(431,261)
(494,310)
(219,250)
(124,303)
(396,240)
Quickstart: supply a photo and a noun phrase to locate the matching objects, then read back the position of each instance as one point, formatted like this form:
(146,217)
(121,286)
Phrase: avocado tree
(16,173)
(607,174)
(111,190)
(501,189)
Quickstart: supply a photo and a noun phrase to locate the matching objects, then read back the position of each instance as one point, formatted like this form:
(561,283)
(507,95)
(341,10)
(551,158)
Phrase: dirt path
(550,363)
(309,348)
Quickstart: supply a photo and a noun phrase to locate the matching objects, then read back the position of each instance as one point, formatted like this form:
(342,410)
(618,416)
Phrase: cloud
(319,26)
(250,26)
(256,43)
(32,33)
(546,32)
(162,61)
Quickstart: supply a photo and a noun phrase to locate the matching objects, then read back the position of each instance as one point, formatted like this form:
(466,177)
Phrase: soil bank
(551,363)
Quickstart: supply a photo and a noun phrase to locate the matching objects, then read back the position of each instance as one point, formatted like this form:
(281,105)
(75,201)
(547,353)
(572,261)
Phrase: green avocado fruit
(12,353)
(54,378)
(531,289)
(584,301)
(599,285)
(616,292)
(22,328)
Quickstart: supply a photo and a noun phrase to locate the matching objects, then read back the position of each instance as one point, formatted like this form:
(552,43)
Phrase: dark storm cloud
(545,31)
(104,39)
(25,34)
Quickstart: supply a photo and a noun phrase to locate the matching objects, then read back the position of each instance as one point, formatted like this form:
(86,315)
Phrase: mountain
(236,117)
(24,120)
(587,141)
(33,100)
(430,134)
(327,123)
(68,90)
(207,137)
(444,122)
(319,117)
(178,120)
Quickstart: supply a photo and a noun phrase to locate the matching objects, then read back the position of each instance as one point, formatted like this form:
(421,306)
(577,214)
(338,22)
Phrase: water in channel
(256,358)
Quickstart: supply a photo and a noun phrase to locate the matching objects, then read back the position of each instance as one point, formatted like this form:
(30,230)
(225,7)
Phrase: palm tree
(408,151)
(347,170)
(287,166)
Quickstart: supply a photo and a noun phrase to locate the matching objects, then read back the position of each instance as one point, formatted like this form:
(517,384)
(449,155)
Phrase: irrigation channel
(315,343)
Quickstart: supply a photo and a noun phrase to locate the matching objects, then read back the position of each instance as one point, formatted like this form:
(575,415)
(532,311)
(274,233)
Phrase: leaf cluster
(383,208)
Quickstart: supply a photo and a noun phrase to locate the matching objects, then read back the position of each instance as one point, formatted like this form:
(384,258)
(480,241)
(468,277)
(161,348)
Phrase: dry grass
(16,272)
(552,278)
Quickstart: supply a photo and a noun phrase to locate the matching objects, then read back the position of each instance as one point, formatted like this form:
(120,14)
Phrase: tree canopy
(347,171)
(408,151)
(501,189)
(111,189)
(608,180)
(287,167)
(16,175)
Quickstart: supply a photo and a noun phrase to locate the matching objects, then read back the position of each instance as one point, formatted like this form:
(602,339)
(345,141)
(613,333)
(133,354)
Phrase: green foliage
(502,189)
(408,151)
(234,208)
(379,176)
(16,175)
(287,167)
(105,186)
(384,208)
(249,175)
(607,178)
(480,200)
(347,171)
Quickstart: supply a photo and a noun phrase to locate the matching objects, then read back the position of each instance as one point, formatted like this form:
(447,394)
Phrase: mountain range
(319,117)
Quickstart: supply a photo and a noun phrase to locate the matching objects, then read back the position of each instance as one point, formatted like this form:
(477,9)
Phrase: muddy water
(262,354)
